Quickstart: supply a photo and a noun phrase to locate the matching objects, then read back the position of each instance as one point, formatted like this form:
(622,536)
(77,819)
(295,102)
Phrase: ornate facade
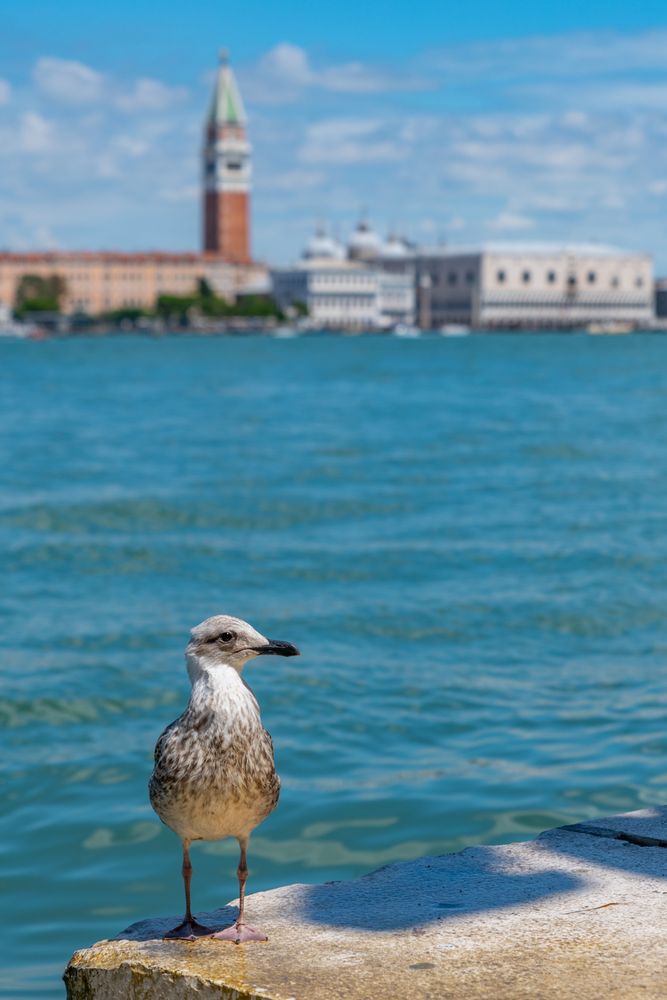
(534,285)
(368,285)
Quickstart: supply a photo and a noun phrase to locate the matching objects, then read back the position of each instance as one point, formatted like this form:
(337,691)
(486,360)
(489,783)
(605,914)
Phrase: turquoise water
(467,538)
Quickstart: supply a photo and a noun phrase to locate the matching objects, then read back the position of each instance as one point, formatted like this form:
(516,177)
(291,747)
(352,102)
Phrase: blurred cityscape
(370,284)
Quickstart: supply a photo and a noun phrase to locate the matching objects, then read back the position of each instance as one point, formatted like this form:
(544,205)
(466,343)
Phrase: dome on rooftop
(320,245)
(395,246)
(364,242)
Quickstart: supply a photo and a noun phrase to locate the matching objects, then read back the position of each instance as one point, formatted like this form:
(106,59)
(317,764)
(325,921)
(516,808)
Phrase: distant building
(368,286)
(661,298)
(227,171)
(105,281)
(98,282)
(533,285)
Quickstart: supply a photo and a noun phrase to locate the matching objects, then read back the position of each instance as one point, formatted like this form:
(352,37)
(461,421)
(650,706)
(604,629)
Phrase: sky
(458,123)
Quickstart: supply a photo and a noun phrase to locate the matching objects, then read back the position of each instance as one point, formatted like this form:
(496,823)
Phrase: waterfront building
(396,261)
(103,282)
(369,285)
(534,285)
(226,171)
(661,298)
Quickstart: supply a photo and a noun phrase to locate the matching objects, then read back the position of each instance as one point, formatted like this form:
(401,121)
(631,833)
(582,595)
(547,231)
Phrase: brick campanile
(227,172)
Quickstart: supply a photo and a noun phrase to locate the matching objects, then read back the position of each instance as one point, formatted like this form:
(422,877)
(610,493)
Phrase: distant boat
(10,327)
(406,330)
(614,329)
(454,330)
(284,332)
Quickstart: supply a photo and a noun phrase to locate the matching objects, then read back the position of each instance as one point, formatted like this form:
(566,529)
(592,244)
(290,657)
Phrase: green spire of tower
(226,105)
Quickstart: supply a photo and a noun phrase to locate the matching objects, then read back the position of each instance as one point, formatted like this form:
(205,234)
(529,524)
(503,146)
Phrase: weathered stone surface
(569,914)
(646,827)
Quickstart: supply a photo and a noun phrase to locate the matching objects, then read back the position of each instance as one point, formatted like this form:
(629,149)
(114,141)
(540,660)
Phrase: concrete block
(571,914)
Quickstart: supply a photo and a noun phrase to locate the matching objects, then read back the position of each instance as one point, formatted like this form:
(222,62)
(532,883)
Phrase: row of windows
(572,280)
(104,275)
(453,277)
(107,303)
(123,276)
(341,279)
(397,289)
(438,303)
(560,304)
(345,302)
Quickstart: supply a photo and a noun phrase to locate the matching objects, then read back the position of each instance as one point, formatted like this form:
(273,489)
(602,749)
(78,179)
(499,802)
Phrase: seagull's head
(225,641)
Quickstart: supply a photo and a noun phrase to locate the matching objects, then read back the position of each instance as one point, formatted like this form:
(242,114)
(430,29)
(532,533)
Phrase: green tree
(262,306)
(175,307)
(213,305)
(129,313)
(205,290)
(35,293)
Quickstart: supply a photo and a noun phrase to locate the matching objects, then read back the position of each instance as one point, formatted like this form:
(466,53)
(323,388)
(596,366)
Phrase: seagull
(214,774)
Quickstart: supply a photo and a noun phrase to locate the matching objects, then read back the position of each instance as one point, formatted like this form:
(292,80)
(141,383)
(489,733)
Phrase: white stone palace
(534,285)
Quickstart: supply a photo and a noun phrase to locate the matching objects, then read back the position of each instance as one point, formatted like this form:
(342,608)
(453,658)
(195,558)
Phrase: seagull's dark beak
(277,648)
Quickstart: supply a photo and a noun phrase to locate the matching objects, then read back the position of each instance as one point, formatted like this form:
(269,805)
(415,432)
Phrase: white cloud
(106,166)
(348,141)
(150,95)
(418,128)
(511,221)
(356,78)
(36,134)
(5,92)
(68,81)
(632,96)
(284,72)
(73,83)
(288,63)
(186,193)
(576,120)
(577,55)
(544,201)
(131,146)
(294,180)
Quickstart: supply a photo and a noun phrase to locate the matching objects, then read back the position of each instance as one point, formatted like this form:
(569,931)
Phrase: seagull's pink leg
(240,932)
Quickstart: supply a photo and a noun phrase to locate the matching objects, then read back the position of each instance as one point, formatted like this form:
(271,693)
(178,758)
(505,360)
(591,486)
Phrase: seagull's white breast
(214,774)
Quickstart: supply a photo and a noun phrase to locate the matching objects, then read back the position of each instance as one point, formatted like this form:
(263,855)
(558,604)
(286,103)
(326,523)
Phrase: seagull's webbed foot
(189,930)
(239,933)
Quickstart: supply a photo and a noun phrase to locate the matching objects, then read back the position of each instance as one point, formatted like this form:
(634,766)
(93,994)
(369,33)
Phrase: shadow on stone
(413,894)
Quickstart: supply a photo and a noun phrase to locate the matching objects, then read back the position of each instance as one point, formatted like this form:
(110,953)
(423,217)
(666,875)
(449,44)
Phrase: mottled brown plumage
(214,773)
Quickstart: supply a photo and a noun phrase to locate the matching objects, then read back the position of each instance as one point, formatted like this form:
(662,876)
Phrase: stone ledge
(581,911)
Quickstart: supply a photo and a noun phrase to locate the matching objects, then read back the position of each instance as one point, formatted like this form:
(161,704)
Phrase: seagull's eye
(226,637)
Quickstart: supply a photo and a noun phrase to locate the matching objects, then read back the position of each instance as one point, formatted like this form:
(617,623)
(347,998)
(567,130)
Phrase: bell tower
(227,171)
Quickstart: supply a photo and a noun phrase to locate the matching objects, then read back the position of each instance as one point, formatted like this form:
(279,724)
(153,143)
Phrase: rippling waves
(466,538)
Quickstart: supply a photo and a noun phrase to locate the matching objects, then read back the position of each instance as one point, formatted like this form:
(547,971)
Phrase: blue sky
(463,122)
